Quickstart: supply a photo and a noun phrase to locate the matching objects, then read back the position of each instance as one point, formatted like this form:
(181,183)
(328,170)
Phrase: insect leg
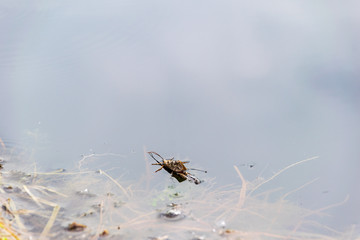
(159,169)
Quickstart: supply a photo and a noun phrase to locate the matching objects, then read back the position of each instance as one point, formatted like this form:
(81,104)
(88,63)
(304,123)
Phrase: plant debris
(76,227)
(104,233)
(39,205)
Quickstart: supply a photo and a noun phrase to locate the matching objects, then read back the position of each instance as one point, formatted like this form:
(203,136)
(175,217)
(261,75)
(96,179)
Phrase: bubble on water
(221,224)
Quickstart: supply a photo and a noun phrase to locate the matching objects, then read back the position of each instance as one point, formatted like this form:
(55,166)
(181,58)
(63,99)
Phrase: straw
(50,222)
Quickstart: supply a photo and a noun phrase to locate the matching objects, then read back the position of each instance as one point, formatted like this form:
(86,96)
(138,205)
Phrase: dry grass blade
(281,171)
(116,183)
(297,189)
(50,222)
(7,232)
(328,207)
(43,189)
(32,196)
(100,220)
(242,190)
(16,215)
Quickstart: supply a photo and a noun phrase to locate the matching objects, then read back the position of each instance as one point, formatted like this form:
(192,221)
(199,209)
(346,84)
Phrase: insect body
(176,168)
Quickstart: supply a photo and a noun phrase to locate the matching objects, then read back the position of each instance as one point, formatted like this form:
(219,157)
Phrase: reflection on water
(91,203)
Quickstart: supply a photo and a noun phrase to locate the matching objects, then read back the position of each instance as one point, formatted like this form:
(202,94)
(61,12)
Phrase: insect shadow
(176,168)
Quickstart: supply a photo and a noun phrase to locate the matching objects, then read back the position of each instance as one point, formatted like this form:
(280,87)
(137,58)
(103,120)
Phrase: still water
(257,85)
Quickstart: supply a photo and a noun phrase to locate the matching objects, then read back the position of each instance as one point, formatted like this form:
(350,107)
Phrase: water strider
(176,168)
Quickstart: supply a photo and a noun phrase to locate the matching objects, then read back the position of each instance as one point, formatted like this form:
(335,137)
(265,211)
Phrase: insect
(176,168)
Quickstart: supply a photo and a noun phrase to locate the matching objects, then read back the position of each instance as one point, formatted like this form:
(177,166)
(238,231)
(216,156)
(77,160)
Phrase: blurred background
(258,85)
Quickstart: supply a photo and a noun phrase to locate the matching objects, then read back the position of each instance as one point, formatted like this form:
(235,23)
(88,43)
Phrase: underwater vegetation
(90,203)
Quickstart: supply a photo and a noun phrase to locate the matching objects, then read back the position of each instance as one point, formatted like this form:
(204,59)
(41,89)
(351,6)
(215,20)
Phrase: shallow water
(88,203)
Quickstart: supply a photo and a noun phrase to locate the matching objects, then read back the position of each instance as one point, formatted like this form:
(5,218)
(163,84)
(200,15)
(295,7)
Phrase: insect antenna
(151,154)
(200,170)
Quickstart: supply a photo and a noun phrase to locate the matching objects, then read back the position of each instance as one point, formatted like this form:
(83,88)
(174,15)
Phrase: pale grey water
(222,83)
